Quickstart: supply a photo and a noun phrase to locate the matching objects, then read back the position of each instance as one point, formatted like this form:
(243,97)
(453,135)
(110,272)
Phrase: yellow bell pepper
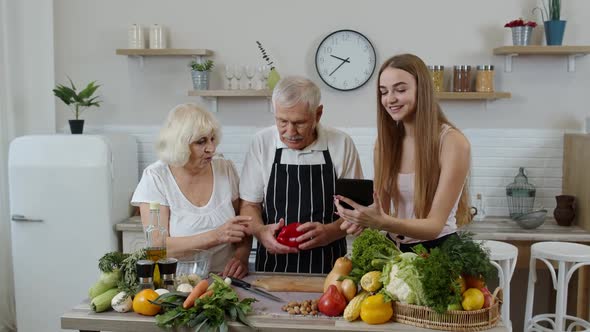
(374,310)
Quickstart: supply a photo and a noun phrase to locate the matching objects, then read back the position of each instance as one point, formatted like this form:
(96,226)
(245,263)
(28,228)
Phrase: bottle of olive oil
(155,236)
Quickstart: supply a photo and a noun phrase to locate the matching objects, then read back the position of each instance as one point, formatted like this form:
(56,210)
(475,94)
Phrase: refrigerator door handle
(20,217)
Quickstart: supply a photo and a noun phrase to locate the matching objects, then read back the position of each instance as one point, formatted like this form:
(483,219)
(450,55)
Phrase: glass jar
(520,195)
(484,79)
(437,73)
(462,78)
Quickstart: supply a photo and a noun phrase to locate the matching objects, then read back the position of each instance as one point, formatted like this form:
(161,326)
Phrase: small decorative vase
(554,31)
(200,80)
(521,36)
(76,126)
(565,211)
(273,79)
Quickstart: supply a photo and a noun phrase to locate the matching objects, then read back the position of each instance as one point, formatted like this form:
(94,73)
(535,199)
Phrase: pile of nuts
(307,307)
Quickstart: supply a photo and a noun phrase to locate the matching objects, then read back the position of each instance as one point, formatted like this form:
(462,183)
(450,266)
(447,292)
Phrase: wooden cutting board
(290,284)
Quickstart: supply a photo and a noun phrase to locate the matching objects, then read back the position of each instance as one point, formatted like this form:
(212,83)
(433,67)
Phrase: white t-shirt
(260,157)
(157,184)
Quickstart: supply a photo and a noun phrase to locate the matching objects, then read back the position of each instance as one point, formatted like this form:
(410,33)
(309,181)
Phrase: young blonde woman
(421,163)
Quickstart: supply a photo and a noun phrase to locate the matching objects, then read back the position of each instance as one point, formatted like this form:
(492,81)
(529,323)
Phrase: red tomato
(332,303)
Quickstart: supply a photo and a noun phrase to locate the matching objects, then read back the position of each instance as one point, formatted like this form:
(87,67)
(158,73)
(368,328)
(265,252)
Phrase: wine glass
(229,74)
(250,72)
(238,72)
(260,84)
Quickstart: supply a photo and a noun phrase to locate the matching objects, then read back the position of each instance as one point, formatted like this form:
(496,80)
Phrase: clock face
(345,60)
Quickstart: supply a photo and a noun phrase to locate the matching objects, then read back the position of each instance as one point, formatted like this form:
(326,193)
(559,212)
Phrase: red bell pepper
(289,234)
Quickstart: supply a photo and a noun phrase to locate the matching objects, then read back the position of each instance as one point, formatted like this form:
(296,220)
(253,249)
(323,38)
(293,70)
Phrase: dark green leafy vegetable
(209,313)
(472,258)
(369,245)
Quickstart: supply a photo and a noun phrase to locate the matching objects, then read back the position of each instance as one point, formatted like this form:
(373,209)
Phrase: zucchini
(103,301)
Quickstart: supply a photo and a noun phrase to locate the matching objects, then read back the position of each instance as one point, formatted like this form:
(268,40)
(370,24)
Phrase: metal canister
(484,79)
(437,73)
(462,78)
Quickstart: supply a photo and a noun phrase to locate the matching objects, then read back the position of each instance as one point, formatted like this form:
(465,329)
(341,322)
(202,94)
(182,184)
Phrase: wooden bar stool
(569,257)
(503,256)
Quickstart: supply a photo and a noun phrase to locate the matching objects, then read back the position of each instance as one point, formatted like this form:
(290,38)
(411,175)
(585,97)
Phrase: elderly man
(289,176)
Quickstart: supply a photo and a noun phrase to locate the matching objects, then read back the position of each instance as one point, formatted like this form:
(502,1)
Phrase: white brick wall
(496,156)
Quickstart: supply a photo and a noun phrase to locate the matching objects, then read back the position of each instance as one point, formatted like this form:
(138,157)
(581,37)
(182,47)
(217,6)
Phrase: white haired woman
(198,194)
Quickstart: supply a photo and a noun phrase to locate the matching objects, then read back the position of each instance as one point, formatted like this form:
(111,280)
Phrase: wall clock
(345,60)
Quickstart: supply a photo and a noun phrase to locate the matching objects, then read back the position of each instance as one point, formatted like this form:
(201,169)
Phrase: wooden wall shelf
(572,52)
(214,94)
(164,52)
(230,93)
(472,95)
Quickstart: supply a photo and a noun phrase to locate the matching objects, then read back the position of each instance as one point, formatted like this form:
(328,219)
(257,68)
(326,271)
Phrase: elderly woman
(198,194)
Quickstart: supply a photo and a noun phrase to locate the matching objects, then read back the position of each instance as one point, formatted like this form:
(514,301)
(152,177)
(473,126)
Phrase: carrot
(206,294)
(197,291)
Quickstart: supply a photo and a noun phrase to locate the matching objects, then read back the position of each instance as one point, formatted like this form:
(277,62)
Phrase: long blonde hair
(388,148)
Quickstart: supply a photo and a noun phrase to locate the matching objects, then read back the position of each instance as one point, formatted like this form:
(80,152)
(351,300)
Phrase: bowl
(193,262)
(531,220)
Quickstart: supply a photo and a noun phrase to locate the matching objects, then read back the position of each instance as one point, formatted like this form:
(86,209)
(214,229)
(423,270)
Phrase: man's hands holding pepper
(305,236)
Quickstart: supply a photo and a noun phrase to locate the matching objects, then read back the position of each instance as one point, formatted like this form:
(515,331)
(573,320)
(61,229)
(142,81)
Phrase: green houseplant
(77,101)
(554,25)
(200,73)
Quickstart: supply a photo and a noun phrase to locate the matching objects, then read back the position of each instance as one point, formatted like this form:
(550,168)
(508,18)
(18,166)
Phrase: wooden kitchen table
(266,316)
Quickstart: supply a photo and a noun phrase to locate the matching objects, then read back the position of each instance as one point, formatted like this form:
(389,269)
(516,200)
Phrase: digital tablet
(360,191)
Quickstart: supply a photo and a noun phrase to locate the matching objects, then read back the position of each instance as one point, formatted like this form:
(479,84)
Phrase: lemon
(370,281)
(473,299)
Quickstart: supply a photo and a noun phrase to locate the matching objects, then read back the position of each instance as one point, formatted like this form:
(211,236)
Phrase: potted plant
(77,101)
(521,31)
(554,25)
(200,73)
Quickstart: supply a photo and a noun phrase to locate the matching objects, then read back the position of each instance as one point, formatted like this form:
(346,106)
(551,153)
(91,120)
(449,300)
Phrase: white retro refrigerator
(66,194)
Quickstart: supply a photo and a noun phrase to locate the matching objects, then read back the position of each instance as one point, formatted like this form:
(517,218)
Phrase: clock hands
(339,58)
(340,65)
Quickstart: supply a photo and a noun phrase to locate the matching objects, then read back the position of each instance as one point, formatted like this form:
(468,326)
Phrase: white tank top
(405,182)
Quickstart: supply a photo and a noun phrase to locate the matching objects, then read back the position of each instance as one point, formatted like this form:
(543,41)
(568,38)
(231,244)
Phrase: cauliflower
(401,280)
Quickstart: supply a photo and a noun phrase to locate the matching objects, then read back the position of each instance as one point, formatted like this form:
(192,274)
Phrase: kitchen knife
(247,286)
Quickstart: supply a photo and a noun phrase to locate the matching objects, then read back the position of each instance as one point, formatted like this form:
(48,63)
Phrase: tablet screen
(360,191)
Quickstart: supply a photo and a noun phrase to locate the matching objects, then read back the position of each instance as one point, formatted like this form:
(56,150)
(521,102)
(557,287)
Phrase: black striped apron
(300,193)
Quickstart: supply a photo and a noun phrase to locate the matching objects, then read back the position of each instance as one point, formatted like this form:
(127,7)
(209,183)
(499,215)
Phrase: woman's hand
(364,216)
(234,230)
(235,268)
(351,228)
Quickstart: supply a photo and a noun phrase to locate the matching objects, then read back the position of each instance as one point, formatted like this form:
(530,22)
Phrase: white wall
(87,33)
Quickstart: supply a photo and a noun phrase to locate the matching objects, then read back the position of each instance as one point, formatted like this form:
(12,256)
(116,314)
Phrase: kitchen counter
(491,228)
(266,316)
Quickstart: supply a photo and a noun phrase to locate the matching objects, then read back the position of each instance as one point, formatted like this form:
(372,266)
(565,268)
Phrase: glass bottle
(480,208)
(520,195)
(155,238)
(145,272)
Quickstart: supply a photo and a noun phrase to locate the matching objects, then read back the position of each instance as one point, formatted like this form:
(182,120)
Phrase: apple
(487,297)
(454,306)
(474,281)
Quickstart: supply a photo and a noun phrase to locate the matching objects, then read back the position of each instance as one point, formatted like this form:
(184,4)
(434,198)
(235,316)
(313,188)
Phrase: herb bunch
(368,246)
(201,66)
(209,313)
(111,261)
(265,55)
(128,282)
